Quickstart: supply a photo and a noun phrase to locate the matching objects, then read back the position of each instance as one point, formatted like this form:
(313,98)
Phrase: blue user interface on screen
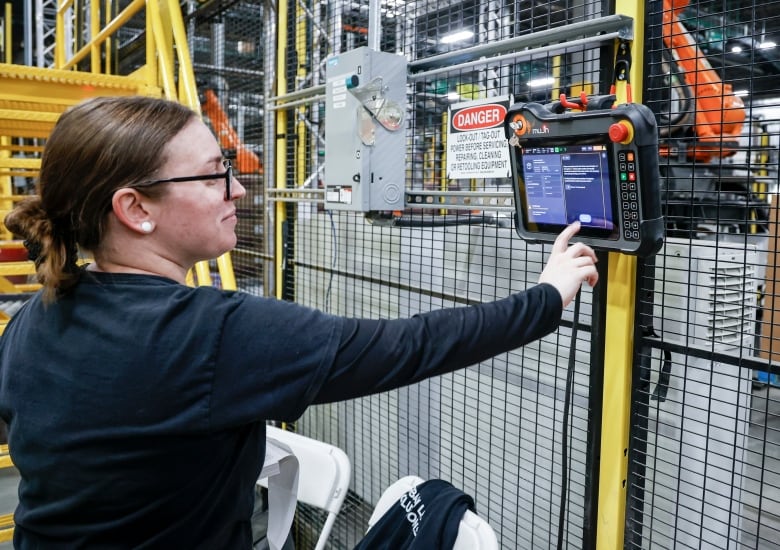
(568,183)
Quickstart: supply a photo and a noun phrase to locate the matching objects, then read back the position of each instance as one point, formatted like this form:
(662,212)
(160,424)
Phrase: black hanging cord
(565,429)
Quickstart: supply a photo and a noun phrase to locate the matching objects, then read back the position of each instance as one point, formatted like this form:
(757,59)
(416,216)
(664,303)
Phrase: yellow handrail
(98,38)
(6,527)
(8,30)
(188,88)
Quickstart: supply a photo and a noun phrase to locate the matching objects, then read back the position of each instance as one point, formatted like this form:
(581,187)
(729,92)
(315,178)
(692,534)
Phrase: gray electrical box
(365,131)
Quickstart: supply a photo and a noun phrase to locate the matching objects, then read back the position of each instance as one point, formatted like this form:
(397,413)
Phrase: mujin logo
(543,130)
(479,117)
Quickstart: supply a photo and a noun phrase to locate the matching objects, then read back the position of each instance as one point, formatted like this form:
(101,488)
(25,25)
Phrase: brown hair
(96,147)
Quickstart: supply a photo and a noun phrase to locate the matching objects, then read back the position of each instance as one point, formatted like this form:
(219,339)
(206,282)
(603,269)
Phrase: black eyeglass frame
(227,175)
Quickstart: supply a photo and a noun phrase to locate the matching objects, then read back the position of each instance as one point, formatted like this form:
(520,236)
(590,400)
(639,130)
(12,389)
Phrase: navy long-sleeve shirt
(137,406)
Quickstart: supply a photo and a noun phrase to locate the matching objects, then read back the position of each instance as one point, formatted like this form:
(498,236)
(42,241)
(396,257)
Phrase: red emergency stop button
(621,132)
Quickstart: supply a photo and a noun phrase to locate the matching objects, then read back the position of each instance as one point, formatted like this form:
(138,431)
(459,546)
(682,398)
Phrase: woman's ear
(130,208)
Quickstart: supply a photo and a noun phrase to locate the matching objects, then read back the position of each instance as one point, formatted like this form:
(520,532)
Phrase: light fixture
(453,96)
(245,47)
(740,93)
(736,49)
(767,45)
(456,36)
(539,82)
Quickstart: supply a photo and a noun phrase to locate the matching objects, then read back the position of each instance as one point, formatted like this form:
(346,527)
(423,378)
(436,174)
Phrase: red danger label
(479,117)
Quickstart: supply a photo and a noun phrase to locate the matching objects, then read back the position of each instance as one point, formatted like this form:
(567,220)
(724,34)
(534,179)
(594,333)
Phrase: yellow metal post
(618,353)
(556,76)
(59,33)
(94,25)
(164,41)
(443,181)
(618,350)
(9,57)
(6,189)
(108,44)
(188,89)
(281,147)
(302,52)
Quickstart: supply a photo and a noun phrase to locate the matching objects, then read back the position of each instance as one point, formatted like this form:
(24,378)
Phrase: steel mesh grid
(228,49)
(336,262)
(339,263)
(450,422)
(704,449)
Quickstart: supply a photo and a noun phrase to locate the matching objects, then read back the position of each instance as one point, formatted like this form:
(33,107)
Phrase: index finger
(562,240)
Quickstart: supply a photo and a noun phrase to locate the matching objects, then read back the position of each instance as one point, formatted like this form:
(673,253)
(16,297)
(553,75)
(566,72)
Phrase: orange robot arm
(246,161)
(719,113)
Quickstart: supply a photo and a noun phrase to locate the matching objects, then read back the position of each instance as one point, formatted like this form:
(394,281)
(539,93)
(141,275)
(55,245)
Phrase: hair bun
(33,249)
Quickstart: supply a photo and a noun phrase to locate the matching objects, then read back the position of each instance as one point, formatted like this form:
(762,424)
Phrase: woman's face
(194,220)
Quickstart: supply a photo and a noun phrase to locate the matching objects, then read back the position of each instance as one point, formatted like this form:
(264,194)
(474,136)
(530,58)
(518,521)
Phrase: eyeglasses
(227,175)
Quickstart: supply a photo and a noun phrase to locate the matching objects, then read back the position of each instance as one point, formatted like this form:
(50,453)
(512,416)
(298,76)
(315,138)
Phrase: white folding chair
(323,478)
(474,533)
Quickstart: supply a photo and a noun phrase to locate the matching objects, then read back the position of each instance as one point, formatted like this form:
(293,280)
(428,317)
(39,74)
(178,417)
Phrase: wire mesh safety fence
(495,430)
(705,441)
(492,430)
(228,50)
(703,470)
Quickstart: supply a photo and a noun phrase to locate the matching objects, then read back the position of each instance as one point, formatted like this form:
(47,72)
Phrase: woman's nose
(237,190)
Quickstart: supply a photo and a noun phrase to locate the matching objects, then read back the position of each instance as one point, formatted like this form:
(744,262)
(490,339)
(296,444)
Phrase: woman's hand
(568,266)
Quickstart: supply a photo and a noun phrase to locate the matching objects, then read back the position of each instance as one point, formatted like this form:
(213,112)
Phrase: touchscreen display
(562,184)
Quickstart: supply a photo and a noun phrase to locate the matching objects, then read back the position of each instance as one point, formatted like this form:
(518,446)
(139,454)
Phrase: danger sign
(480,117)
(476,143)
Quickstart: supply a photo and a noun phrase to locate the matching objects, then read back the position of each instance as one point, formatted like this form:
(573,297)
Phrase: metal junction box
(365,131)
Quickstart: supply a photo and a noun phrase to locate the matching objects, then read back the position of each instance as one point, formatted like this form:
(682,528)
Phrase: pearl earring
(146,227)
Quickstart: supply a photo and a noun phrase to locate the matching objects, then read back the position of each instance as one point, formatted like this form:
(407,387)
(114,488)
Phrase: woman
(136,405)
